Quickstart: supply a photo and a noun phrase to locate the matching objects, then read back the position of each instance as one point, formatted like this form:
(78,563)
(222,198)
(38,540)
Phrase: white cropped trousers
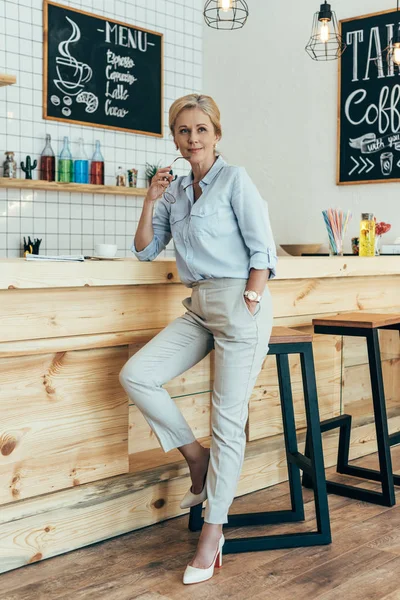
(217,318)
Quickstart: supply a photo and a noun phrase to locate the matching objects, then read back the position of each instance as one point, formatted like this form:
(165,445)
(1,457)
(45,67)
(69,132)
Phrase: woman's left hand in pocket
(251,305)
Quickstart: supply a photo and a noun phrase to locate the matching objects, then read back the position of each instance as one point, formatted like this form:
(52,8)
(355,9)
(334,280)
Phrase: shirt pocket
(205,222)
(228,221)
(177,220)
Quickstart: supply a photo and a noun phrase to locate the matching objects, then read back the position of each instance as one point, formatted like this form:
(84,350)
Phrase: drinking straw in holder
(336,222)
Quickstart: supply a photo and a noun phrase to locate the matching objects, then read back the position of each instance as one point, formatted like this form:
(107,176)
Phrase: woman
(225,253)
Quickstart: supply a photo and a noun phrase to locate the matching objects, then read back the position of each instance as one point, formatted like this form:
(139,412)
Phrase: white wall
(279,112)
(75,222)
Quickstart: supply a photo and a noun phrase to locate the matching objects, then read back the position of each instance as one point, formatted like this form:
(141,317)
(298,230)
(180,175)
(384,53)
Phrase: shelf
(7,79)
(82,188)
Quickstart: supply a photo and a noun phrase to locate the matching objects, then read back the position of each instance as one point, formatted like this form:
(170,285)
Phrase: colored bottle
(48,162)
(97,166)
(367,235)
(81,165)
(65,164)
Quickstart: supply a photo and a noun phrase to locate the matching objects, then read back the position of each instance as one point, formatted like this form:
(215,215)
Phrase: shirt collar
(219,164)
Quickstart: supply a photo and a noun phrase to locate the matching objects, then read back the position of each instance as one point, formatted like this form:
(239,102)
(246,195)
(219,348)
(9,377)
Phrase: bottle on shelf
(120,177)
(97,166)
(367,235)
(48,162)
(10,166)
(65,164)
(81,165)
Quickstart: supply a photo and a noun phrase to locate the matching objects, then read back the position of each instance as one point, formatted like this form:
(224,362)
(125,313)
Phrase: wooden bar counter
(78,462)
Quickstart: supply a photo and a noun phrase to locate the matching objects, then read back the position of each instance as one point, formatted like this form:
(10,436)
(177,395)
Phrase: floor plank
(374,585)
(362,563)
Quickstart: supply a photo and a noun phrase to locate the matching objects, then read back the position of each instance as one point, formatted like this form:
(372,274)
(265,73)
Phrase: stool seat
(285,335)
(359,319)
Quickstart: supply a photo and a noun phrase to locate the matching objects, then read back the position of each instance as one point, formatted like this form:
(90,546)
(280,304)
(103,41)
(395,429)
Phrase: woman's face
(195,135)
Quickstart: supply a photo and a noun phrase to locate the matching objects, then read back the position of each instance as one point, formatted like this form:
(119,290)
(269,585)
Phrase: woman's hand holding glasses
(159,184)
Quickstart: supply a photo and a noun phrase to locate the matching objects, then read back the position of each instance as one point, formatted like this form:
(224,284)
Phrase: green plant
(151,170)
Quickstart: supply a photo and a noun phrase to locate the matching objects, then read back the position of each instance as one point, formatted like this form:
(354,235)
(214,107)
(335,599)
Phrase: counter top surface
(18,273)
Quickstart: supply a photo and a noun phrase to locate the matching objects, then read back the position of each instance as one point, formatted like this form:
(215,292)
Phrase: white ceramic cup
(105,250)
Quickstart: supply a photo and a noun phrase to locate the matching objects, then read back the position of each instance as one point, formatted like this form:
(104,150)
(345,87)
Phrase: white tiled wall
(67,222)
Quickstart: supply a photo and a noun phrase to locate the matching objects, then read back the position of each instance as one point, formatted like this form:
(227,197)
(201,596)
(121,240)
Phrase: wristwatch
(253,296)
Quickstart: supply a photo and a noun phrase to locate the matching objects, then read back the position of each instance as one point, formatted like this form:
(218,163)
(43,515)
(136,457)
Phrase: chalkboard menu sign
(101,72)
(369,102)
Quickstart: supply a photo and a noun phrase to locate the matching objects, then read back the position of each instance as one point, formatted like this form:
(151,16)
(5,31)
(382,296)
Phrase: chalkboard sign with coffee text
(101,73)
(369,101)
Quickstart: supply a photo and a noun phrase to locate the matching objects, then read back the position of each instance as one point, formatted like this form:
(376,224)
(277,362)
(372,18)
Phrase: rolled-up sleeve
(251,211)
(162,234)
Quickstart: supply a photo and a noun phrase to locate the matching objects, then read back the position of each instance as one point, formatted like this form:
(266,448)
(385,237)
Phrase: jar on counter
(367,235)
(9,166)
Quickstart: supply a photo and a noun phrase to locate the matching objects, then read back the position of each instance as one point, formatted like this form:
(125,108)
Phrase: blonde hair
(205,103)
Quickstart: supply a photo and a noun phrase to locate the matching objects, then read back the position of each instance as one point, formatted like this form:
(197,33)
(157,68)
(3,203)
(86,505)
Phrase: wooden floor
(362,563)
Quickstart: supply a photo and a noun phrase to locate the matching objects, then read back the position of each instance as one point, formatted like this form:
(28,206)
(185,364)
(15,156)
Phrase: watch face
(252,295)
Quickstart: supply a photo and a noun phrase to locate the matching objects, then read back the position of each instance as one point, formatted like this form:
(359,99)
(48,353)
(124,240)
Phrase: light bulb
(225,5)
(396,53)
(324,32)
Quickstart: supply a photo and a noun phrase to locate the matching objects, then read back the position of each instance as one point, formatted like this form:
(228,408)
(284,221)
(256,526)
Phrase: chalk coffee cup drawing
(387,163)
(72,75)
(105,250)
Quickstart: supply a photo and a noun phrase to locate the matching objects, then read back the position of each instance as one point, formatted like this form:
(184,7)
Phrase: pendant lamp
(325,42)
(392,52)
(226,14)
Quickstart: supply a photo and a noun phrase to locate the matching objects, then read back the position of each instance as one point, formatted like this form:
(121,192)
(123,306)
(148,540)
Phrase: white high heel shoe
(191,499)
(194,575)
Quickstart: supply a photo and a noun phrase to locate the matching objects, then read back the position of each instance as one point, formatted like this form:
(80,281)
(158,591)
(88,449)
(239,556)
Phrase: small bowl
(105,250)
(299,249)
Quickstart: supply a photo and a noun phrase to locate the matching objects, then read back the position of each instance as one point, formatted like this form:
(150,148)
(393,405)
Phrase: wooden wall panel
(355,348)
(265,418)
(64,421)
(91,310)
(192,393)
(357,392)
(319,296)
(195,409)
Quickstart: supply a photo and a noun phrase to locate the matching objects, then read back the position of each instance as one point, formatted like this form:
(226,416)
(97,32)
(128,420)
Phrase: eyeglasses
(169,196)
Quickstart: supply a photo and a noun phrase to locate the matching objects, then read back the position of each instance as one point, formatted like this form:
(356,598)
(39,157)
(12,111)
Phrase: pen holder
(31,247)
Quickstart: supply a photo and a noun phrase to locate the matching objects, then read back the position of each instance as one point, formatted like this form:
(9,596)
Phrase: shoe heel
(218,561)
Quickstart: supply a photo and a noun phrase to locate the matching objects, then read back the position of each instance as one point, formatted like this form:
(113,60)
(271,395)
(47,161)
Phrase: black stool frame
(385,473)
(312,465)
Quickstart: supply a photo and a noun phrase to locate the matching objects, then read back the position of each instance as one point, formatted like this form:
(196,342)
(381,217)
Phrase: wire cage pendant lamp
(226,14)
(325,42)
(392,52)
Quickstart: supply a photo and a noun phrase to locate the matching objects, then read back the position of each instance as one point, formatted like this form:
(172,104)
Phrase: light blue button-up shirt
(225,233)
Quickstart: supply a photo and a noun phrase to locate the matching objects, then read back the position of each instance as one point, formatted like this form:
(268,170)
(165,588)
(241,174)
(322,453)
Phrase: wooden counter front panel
(357,392)
(42,314)
(265,417)
(35,314)
(64,421)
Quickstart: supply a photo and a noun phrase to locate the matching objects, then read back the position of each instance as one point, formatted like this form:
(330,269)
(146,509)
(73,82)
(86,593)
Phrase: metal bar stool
(283,342)
(363,325)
